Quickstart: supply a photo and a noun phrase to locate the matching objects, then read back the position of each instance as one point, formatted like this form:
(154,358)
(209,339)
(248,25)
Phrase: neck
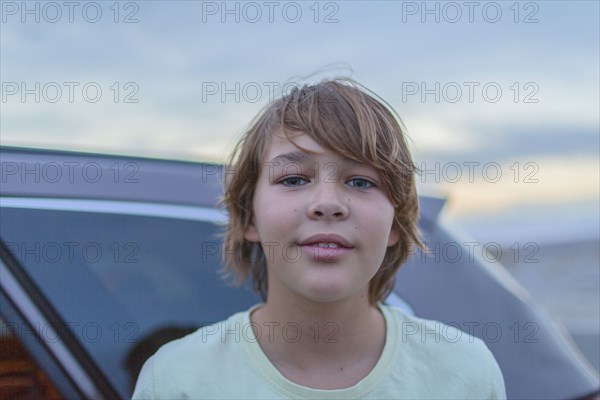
(307,333)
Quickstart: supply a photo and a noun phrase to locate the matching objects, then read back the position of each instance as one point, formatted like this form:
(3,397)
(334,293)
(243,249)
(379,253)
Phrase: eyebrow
(299,157)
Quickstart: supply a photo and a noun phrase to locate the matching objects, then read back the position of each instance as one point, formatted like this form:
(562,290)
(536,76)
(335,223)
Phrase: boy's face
(305,195)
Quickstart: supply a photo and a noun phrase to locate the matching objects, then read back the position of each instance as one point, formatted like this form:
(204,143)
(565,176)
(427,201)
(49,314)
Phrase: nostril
(335,214)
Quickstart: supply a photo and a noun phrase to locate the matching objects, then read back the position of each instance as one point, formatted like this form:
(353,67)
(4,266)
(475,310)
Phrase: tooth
(328,245)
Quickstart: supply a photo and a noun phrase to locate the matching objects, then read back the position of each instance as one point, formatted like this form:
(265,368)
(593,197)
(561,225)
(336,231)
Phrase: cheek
(376,227)
(378,216)
(276,216)
(284,216)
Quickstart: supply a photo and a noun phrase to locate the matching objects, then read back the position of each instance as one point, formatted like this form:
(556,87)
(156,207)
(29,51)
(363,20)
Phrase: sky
(501,99)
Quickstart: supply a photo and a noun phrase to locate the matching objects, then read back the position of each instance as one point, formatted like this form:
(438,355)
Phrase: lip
(310,248)
(324,254)
(326,238)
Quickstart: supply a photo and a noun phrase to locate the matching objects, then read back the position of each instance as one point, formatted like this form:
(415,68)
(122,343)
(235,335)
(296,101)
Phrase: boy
(322,212)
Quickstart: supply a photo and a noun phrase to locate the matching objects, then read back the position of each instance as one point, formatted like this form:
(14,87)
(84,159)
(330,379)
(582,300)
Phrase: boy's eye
(292,181)
(361,183)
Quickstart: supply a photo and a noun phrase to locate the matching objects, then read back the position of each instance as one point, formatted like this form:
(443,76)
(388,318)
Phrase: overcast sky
(483,87)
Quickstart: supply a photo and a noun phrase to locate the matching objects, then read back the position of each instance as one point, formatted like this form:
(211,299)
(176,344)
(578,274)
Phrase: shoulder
(198,356)
(210,338)
(413,330)
(436,349)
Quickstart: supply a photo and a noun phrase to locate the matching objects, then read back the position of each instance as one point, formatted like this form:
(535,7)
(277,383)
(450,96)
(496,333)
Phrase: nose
(327,203)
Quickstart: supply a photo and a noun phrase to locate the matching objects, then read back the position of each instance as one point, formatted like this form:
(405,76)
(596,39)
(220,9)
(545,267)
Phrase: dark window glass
(124,284)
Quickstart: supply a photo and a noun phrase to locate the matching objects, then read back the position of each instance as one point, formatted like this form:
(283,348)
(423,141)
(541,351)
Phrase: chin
(327,292)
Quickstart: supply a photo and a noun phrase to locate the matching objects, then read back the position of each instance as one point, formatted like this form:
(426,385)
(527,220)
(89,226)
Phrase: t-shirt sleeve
(497,390)
(144,387)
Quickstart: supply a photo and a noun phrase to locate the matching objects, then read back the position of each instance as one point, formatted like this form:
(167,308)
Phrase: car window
(124,284)
(20,376)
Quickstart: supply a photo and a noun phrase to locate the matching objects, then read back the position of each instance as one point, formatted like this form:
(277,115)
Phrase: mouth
(326,247)
(324,241)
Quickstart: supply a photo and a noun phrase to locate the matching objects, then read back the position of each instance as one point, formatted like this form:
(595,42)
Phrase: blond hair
(347,119)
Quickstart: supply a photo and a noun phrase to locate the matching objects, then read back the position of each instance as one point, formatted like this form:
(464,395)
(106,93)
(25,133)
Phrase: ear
(394,236)
(251,233)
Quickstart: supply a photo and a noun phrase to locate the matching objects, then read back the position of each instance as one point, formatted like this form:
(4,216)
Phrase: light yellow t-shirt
(421,359)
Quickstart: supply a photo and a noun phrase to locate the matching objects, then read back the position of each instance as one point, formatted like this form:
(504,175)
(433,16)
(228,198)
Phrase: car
(105,258)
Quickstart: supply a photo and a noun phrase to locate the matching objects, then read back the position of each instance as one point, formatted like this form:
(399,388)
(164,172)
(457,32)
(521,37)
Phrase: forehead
(300,150)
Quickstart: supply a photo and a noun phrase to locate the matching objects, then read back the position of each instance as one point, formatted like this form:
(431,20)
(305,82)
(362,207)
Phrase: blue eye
(292,181)
(361,183)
